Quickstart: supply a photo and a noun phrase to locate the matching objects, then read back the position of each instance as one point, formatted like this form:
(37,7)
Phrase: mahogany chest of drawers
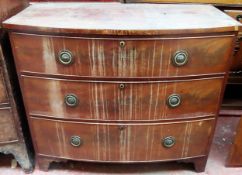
(110,82)
(13,126)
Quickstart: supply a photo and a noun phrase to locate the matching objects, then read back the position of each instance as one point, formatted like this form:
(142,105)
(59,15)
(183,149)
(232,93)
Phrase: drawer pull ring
(121,86)
(122,43)
(239,17)
(169,141)
(76,141)
(174,100)
(71,100)
(180,58)
(65,57)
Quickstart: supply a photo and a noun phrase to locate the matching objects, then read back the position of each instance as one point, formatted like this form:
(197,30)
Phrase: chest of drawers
(110,82)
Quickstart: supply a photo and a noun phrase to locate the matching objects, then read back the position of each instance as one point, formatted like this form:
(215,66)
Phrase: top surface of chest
(10,7)
(121,19)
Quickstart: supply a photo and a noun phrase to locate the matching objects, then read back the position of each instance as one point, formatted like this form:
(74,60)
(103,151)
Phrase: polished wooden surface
(104,57)
(106,101)
(10,7)
(142,63)
(235,156)
(121,19)
(216,2)
(122,142)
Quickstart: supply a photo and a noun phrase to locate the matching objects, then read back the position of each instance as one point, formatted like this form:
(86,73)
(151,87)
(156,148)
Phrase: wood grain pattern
(122,125)
(106,101)
(107,142)
(8,8)
(8,132)
(105,18)
(3,91)
(105,58)
(237,60)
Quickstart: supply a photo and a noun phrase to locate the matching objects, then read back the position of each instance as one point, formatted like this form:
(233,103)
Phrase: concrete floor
(215,166)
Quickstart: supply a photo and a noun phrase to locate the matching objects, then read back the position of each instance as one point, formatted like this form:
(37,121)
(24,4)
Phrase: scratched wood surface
(96,57)
(106,101)
(107,142)
(120,125)
(137,19)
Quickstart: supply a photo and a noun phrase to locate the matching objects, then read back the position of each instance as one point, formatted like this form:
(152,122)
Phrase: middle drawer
(95,100)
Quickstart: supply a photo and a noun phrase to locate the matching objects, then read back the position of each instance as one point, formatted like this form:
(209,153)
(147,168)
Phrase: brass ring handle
(238,17)
(168,142)
(71,100)
(174,100)
(76,141)
(65,57)
(180,58)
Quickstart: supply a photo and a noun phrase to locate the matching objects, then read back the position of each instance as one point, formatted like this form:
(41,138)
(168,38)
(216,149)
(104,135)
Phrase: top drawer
(123,58)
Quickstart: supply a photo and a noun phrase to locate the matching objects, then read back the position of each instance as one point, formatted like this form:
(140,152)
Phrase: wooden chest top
(121,19)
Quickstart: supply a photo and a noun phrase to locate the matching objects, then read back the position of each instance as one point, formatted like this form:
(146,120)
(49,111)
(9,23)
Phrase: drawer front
(122,143)
(126,58)
(3,91)
(121,100)
(7,127)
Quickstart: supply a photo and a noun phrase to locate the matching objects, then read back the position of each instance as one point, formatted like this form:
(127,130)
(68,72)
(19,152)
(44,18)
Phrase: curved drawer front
(122,58)
(121,101)
(122,143)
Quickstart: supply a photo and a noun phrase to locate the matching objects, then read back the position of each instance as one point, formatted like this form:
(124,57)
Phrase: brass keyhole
(122,127)
(121,86)
(122,43)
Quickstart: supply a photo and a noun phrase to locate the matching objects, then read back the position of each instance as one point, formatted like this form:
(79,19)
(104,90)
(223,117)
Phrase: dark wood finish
(237,61)
(3,91)
(12,121)
(122,142)
(232,103)
(12,117)
(106,101)
(130,131)
(137,19)
(94,57)
(8,132)
(10,7)
(235,155)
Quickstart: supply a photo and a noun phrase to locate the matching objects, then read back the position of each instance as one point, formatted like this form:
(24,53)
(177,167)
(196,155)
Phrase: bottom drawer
(7,128)
(121,143)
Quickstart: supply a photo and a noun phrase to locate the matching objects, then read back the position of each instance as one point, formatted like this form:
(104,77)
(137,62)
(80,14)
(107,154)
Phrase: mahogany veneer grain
(104,118)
